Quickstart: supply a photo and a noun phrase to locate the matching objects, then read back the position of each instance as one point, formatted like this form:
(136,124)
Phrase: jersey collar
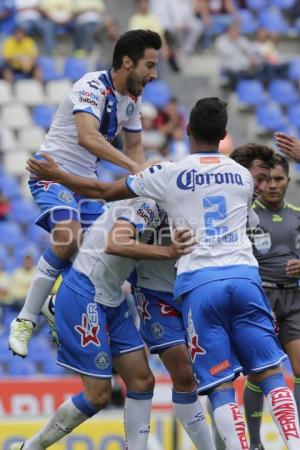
(211,152)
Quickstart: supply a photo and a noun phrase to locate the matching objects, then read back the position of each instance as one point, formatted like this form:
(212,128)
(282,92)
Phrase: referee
(277,249)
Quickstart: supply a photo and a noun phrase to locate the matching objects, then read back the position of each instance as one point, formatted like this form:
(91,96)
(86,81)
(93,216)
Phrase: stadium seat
(16,116)
(43,115)
(38,235)
(8,140)
(272,20)
(39,349)
(51,368)
(257,5)
(21,368)
(283,92)
(11,233)
(23,211)
(48,68)
(31,138)
(29,248)
(14,162)
(56,90)
(294,70)
(29,92)
(6,94)
(294,115)
(9,186)
(75,68)
(158,93)
(248,23)
(283,4)
(250,92)
(270,117)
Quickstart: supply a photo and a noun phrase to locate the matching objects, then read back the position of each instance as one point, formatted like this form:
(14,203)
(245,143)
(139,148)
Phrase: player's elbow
(110,248)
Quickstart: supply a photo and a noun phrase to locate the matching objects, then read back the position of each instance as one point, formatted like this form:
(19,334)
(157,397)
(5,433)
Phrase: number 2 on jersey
(217,205)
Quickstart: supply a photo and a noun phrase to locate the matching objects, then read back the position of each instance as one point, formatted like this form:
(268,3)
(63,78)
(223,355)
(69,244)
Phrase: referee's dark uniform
(277,242)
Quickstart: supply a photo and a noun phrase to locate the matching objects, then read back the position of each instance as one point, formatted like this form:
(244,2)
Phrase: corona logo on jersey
(189,179)
(89,327)
(193,344)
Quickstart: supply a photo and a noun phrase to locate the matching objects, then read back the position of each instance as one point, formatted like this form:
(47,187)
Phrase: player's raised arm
(288,145)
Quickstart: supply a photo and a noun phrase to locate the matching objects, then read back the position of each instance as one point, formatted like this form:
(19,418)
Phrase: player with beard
(99,106)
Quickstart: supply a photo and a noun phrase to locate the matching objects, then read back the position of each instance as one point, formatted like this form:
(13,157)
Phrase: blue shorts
(161,325)
(57,203)
(90,334)
(229,327)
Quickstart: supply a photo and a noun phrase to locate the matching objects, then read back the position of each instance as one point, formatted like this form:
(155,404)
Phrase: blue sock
(53,260)
(84,405)
(272,382)
(184,397)
(221,397)
(147,395)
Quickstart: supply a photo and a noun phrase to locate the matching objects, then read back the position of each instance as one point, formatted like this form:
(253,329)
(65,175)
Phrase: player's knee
(99,399)
(64,243)
(183,379)
(144,381)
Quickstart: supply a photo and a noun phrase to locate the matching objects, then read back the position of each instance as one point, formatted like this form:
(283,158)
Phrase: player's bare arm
(289,145)
(133,146)
(122,241)
(293,268)
(90,138)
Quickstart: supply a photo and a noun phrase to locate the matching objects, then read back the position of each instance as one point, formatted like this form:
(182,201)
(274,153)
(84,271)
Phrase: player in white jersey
(97,332)
(99,106)
(226,314)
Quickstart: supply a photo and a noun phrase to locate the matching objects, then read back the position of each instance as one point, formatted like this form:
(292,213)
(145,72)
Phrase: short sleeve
(134,124)
(89,96)
(141,212)
(151,182)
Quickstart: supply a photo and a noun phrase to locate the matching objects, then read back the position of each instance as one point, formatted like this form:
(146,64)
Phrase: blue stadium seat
(283,92)
(251,92)
(39,349)
(294,115)
(38,235)
(51,368)
(294,69)
(283,4)
(158,93)
(257,5)
(23,211)
(9,186)
(43,115)
(11,233)
(75,68)
(6,355)
(48,68)
(272,19)
(248,23)
(270,117)
(29,248)
(21,368)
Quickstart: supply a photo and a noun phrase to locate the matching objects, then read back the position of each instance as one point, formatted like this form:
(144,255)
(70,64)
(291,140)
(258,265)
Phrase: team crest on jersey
(167,310)
(157,330)
(262,242)
(89,327)
(45,184)
(129,109)
(65,197)
(142,305)
(102,360)
(193,339)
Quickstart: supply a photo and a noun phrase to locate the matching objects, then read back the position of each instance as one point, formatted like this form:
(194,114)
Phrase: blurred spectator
(145,19)
(266,56)
(90,17)
(59,16)
(108,44)
(5,207)
(29,17)
(235,53)
(21,279)
(5,283)
(170,118)
(217,16)
(20,54)
(7,17)
(179,144)
(151,137)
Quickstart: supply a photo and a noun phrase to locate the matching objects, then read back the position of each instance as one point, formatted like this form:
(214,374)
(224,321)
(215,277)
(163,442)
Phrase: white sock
(41,285)
(284,412)
(218,441)
(66,418)
(192,418)
(231,426)
(137,423)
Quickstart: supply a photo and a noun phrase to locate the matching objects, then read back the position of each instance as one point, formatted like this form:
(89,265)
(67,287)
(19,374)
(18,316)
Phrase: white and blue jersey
(93,94)
(227,318)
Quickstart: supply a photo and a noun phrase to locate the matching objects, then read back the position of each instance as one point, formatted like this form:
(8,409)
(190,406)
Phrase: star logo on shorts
(45,184)
(142,307)
(88,332)
(194,347)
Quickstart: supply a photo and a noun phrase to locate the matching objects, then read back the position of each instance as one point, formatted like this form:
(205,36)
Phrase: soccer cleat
(20,334)
(48,311)
(17,446)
